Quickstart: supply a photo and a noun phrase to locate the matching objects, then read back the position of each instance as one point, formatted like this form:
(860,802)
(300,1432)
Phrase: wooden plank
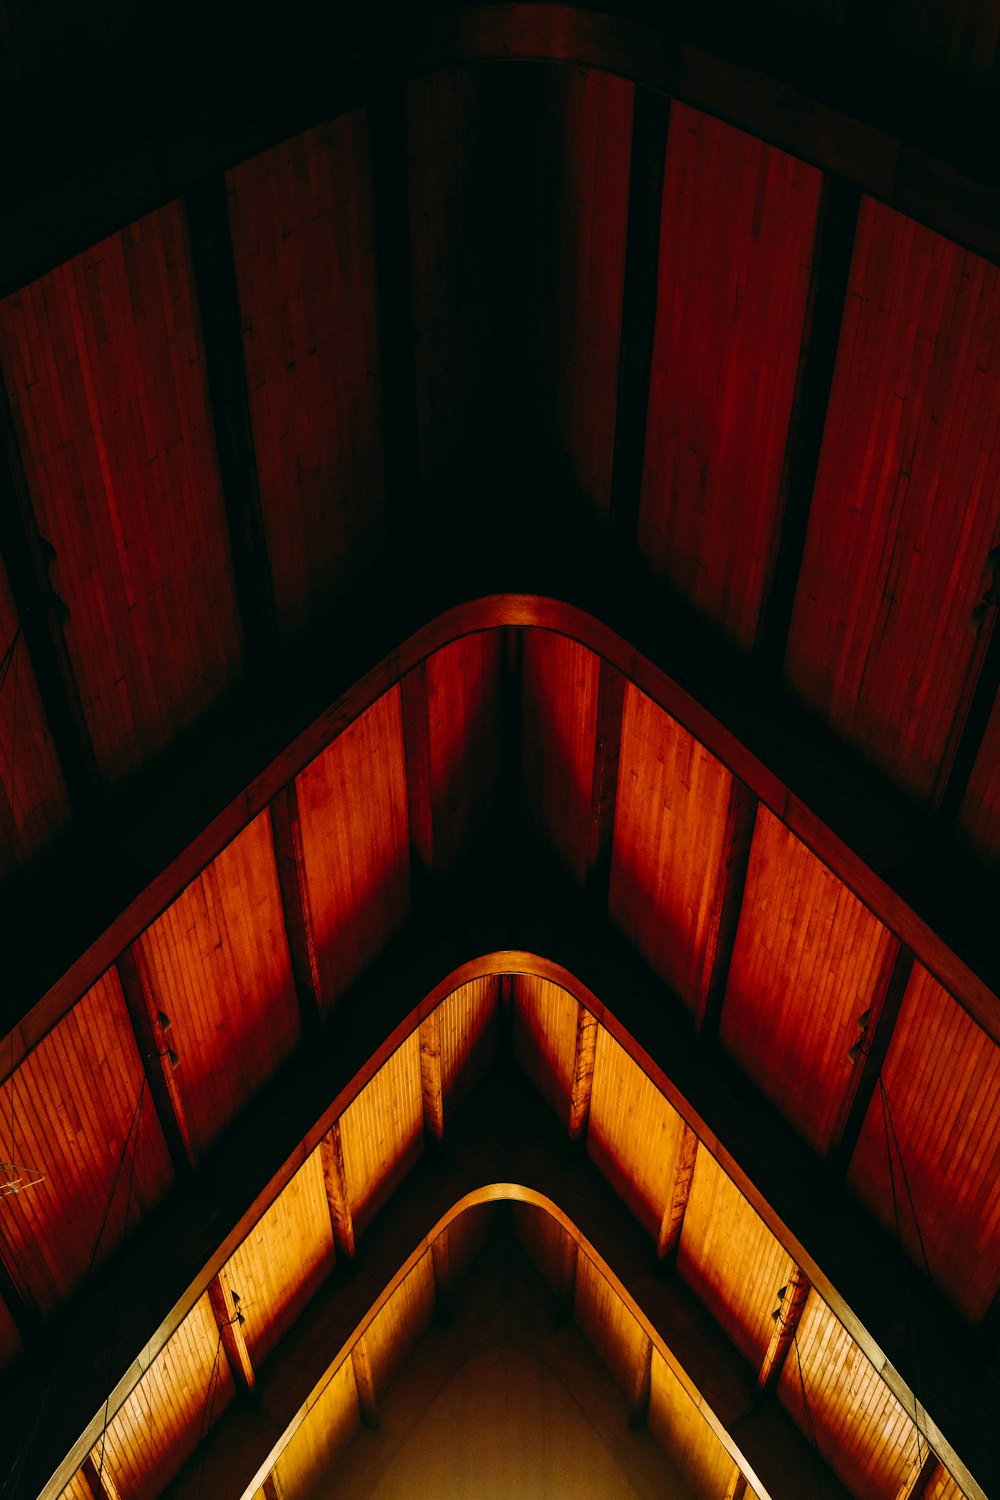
(872,1043)
(676,1206)
(441,1266)
(270,1488)
(741,818)
(639,1405)
(791,1301)
(417,747)
(430,1076)
(341,1220)
(367,1405)
(98,1480)
(604,793)
(584,1060)
(226,1311)
(916,1486)
(286,831)
(737,1487)
(152,1034)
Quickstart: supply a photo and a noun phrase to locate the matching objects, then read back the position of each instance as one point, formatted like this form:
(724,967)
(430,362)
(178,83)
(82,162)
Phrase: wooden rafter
(365,1382)
(225,1302)
(604,789)
(584,1059)
(642,1386)
(872,1044)
(431,1091)
(676,1206)
(151,1027)
(791,1301)
(441,1265)
(286,830)
(565,1289)
(741,816)
(737,1486)
(917,1482)
(335,1179)
(97,1479)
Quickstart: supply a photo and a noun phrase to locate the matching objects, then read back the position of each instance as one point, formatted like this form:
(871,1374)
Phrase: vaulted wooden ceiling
(500,584)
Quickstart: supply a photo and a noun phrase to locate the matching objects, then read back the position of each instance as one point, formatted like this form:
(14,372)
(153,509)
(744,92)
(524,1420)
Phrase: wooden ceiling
(540,515)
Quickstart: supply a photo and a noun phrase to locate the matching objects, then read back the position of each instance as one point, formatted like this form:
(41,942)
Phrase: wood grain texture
(549,1247)
(303,243)
(400,1323)
(634,1135)
(906,505)
(979,815)
(383,1132)
(941,1084)
(735,248)
(463,682)
(331,1422)
(559,724)
(581,201)
(104,368)
(809,960)
(859,1426)
(545,1027)
(612,1330)
(75,1107)
(220,970)
(681,1430)
(469,1026)
(352,805)
(669,844)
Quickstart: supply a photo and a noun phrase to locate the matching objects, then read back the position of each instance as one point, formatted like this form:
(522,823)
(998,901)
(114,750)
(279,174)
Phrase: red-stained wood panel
(355,841)
(34,807)
(103,363)
(838,1400)
(809,960)
(445,114)
(907,503)
(979,817)
(669,844)
(301,218)
(941,1086)
(463,739)
(559,728)
(75,1107)
(219,969)
(581,210)
(736,241)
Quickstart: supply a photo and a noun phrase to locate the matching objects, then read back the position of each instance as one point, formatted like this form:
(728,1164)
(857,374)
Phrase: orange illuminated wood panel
(669,844)
(585,140)
(939,1109)
(400,1323)
(943,1487)
(907,503)
(809,960)
(857,1423)
(33,804)
(355,843)
(979,817)
(303,243)
(548,1245)
(330,1423)
(607,1323)
(445,113)
(731,1260)
(105,371)
(220,971)
(77,1489)
(736,242)
(283,1261)
(559,719)
(176,1403)
(681,1430)
(381,1132)
(545,1025)
(468,1029)
(463,738)
(634,1135)
(85,1120)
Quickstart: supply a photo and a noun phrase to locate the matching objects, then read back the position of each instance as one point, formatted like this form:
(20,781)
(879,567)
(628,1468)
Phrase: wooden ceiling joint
(675,1208)
(225,1301)
(431,1089)
(870,1047)
(741,819)
(365,1382)
(791,1300)
(151,1027)
(98,1481)
(611,686)
(335,1179)
(584,1058)
(286,832)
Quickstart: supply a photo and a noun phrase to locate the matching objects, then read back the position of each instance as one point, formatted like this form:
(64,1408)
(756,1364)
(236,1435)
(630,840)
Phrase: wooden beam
(97,1479)
(918,1481)
(222,332)
(872,1041)
(157,1048)
(286,832)
(604,787)
(741,817)
(335,1179)
(676,1207)
(737,1486)
(639,1404)
(419,803)
(791,1301)
(836,224)
(431,1091)
(363,1379)
(569,1264)
(650,118)
(270,1488)
(584,1058)
(977,717)
(441,1266)
(225,1302)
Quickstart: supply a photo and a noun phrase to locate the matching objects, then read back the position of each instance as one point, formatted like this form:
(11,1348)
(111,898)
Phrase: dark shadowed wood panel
(979,817)
(382,1132)
(33,804)
(679,1427)
(73,1101)
(352,804)
(181,1395)
(552,1251)
(220,971)
(608,1325)
(585,137)
(301,219)
(468,1030)
(735,247)
(283,1261)
(445,114)
(400,1323)
(731,1260)
(907,503)
(104,367)
(942,1487)
(961,39)
(545,1020)
(809,960)
(634,1135)
(857,1423)
(11,1343)
(559,719)
(669,845)
(942,1084)
(463,741)
(332,1421)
